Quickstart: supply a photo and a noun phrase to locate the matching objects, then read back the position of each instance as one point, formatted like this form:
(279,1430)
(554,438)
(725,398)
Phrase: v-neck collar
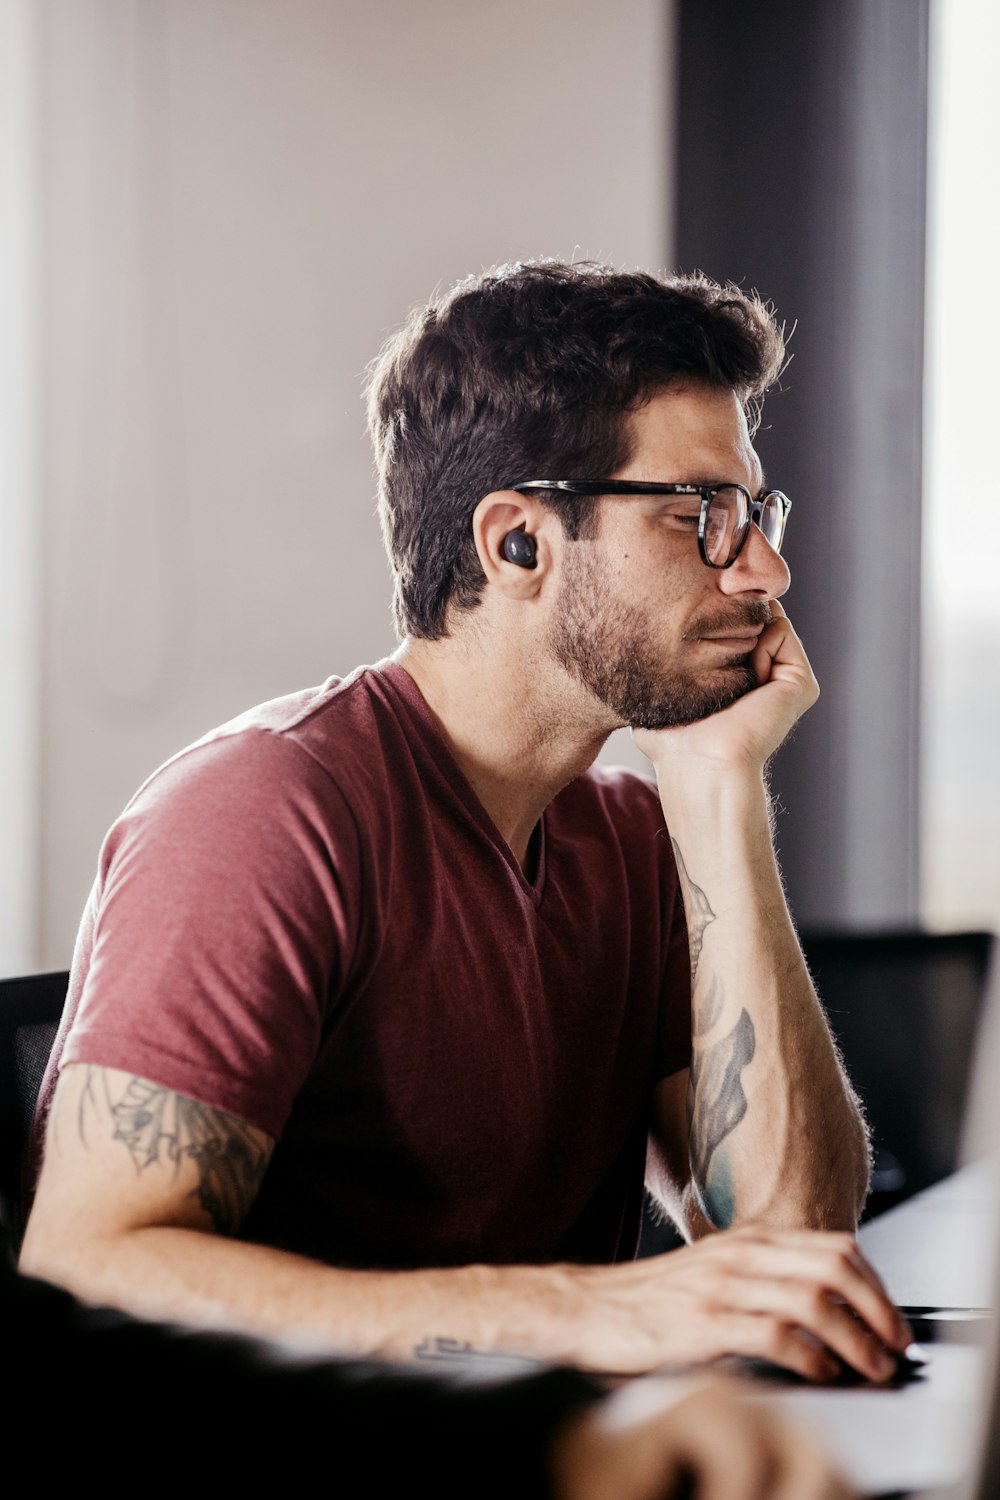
(404,690)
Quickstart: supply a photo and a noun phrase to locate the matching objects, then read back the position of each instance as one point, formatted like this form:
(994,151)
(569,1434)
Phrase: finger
(834,1263)
(806,1306)
(780,656)
(768,1336)
(819,1239)
(780,644)
(904,1333)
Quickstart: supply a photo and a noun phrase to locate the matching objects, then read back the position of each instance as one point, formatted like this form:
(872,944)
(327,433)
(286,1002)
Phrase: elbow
(55,1259)
(45,1262)
(76,1256)
(861,1156)
(847,1180)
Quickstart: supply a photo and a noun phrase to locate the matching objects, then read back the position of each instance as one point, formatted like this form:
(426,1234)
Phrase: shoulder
(227,910)
(277,756)
(301,784)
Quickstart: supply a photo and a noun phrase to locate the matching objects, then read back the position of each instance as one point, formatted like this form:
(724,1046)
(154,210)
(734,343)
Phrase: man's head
(534,370)
(639,620)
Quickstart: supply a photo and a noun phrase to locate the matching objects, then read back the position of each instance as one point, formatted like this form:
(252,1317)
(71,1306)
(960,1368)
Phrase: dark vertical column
(801,172)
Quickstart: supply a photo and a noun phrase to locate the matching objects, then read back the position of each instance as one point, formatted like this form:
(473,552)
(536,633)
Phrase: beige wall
(239,199)
(20,605)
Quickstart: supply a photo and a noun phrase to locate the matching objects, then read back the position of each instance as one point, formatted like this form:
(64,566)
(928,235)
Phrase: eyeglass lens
(728,518)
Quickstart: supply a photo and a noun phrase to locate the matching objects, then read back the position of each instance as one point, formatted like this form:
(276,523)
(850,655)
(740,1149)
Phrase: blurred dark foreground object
(96,1391)
(30,1009)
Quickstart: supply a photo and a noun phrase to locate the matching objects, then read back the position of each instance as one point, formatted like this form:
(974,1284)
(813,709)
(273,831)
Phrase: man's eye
(686,518)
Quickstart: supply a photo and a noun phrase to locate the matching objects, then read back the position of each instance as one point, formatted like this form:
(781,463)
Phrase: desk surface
(938,1250)
(934,1251)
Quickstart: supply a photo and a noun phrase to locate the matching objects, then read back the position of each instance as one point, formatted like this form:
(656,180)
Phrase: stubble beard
(606,644)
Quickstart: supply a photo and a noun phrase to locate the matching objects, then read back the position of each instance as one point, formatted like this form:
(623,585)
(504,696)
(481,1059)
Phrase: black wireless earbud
(519,548)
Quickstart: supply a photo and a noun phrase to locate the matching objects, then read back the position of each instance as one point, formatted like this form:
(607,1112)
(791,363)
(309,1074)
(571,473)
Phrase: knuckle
(720,1293)
(845,1242)
(776,1337)
(815,1304)
(841,1261)
(817,1365)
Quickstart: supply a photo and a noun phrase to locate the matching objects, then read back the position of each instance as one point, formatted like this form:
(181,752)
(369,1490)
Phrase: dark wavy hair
(530,371)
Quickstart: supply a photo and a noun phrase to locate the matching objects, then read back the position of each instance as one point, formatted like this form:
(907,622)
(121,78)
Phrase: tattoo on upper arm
(158,1126)
(717,1104)
(699,912)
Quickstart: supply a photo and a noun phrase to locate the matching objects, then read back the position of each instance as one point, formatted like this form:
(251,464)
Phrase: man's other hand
(712,1443)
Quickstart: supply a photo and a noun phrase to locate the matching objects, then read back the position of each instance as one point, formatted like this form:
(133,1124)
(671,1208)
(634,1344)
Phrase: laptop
(935,1434)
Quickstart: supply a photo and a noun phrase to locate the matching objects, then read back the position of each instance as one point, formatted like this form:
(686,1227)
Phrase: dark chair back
(905,1008)
(30,1009)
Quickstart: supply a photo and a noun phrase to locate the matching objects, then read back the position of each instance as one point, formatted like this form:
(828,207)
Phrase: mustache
(755,614)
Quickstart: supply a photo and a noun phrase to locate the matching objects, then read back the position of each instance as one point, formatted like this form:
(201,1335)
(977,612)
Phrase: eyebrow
(703,481)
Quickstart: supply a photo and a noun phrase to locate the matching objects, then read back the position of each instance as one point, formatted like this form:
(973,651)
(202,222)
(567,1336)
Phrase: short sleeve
(223,918)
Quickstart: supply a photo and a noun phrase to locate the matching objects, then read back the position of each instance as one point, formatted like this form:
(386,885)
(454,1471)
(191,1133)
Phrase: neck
(516,742)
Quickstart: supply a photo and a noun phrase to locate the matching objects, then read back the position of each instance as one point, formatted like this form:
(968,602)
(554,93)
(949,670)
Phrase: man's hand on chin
(747,733)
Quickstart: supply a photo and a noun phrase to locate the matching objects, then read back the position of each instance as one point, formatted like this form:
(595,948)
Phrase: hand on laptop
(804,1299)
(644,1444)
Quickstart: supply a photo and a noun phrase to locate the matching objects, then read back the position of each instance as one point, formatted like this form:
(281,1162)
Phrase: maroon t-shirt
(308,919)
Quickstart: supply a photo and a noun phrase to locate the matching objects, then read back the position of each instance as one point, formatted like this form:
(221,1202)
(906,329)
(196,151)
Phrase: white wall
(239,199)
(20,611)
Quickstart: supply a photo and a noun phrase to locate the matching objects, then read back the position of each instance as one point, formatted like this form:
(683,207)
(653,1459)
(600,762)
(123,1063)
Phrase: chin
(692,702)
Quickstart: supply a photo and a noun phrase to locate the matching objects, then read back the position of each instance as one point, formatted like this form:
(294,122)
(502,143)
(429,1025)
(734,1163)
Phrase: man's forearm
(175,1273)
(776,1135)
(747,1293)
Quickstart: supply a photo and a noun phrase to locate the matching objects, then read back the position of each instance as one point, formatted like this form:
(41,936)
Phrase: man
(384,980)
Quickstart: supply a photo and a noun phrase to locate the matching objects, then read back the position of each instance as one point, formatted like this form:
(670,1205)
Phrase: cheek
(666,584)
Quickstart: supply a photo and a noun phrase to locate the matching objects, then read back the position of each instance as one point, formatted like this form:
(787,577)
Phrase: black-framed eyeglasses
(724,516)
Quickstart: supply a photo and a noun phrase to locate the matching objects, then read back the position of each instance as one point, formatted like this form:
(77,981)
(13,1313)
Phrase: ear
(497,515)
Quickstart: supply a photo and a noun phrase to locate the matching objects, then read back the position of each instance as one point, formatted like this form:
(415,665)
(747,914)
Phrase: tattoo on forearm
(459,1351)
(158,1126)
(699,912)
(717,1104)
(445,1349)
(709,1008)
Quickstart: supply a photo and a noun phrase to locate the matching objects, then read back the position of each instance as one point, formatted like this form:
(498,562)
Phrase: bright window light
(960,793)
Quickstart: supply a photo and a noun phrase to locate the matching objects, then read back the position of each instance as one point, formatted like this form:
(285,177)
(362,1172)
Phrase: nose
(758,569)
